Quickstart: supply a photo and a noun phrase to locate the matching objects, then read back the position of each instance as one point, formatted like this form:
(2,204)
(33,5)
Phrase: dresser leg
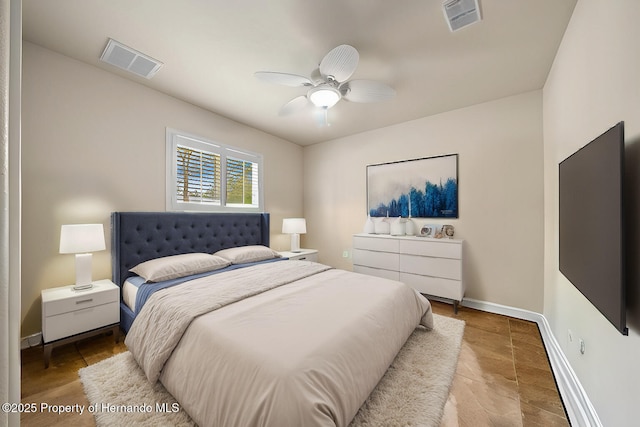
(116,334)
(47,354)
(455,307)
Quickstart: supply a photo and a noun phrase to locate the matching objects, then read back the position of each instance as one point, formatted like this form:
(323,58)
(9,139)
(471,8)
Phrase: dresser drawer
(80,320)
(436,286)
(440,249)
(387,274)
(67,300)
(435,267)
(383,260)
(380,244)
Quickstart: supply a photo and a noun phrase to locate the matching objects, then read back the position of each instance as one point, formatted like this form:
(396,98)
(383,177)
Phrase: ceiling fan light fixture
(324,97)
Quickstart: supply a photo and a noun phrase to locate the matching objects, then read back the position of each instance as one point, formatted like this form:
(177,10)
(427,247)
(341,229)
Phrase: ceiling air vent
(130,59)
(460,13)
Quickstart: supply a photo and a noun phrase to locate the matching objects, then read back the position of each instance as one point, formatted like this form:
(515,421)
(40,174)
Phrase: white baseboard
(579,409)
(31,341)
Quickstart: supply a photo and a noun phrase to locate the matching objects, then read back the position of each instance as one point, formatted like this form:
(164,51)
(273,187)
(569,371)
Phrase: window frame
(176,137)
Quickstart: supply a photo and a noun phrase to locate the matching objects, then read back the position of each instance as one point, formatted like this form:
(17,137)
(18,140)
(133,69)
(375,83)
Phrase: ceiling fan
(329,83)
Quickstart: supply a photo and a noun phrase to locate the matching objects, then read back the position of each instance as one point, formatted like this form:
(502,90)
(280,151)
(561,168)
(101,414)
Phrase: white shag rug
(413,391)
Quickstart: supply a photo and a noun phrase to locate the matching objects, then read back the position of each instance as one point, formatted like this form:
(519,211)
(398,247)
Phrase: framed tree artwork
(420,188)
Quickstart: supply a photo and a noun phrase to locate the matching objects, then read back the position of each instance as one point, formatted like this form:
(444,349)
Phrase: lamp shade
(81,238)
(294,226)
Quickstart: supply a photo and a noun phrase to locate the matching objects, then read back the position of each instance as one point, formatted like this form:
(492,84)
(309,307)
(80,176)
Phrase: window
(208,176)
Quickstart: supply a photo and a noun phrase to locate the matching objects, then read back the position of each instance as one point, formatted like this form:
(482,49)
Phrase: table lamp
(82,239)
(295,227)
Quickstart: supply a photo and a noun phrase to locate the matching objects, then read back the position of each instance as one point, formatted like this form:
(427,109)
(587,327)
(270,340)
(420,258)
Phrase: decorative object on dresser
(432,267)
(397,227)
(369,226)
(382,226)
(302,255)
(448,231)
(429,230)
(422,188)
(69,315)
(410,226)
(295,227)
(82,239)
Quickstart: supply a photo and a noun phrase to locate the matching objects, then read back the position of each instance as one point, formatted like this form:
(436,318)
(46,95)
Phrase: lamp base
(82,287)
(83,271)
(295,242)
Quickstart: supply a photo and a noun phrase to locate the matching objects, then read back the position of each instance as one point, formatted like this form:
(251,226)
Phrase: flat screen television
(591,224)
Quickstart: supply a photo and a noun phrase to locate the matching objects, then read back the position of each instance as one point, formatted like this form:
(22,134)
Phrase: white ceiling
(211,48)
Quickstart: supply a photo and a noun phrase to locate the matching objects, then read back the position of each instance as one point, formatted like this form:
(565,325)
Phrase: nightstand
(69,315)
(304,254)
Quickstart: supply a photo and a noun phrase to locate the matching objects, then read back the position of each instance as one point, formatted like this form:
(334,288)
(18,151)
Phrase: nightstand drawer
(63,300)
(302,255)
(305,257)
(80,320)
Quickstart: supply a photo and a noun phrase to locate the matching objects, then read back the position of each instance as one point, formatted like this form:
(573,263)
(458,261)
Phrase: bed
(261,341)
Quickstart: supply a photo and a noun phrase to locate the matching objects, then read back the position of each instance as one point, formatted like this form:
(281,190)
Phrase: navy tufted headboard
(140,236)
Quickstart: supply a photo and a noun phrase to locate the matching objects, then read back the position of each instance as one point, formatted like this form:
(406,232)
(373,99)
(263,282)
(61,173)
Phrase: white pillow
(245,254)
(172,267)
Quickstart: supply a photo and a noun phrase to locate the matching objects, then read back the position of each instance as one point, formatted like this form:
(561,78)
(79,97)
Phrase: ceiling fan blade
(340,63)
(366,91)
(296,104)
(285,79)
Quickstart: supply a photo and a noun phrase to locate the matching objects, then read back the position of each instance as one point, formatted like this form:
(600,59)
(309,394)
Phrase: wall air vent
(130,59)
(460,13)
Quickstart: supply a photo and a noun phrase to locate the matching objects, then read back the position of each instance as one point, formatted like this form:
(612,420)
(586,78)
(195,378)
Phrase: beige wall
(94,143)
(500,170)
(593,84)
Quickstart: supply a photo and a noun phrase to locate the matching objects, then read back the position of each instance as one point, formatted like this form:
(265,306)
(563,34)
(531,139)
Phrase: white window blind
(242,182)
(198,176)
(204,175)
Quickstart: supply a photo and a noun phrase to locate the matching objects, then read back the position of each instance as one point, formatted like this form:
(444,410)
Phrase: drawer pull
(84,300)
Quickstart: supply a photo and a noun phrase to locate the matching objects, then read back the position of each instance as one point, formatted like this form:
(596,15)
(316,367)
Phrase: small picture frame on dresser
(447,231)
(429,230)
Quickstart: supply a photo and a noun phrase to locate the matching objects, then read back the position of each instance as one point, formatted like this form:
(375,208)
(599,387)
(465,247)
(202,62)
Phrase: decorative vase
(397,227)
(369,226)
(382,226)
(410,227)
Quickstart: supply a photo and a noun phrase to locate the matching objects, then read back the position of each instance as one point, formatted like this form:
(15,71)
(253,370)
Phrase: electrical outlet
(345,254)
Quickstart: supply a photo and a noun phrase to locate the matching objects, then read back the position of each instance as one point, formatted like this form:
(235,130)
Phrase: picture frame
(418,188)
(429,230)
(448,231)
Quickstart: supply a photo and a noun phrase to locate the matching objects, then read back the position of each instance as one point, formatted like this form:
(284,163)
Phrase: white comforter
(290,343)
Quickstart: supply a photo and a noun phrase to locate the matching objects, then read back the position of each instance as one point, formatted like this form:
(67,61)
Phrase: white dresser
(431,266)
